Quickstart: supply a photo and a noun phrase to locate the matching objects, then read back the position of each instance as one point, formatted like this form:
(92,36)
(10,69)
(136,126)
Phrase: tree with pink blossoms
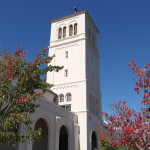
(128,128)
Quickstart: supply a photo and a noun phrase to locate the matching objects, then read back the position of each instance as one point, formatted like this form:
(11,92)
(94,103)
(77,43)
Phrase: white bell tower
(73,41)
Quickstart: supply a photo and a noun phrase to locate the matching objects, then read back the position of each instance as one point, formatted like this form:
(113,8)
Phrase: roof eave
(75,14)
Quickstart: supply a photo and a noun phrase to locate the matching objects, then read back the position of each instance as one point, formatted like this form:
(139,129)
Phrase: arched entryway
(94,141)
(63,138)
(42,144)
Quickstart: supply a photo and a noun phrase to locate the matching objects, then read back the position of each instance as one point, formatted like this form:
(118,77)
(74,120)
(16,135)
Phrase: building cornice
(57,45)
(76,14)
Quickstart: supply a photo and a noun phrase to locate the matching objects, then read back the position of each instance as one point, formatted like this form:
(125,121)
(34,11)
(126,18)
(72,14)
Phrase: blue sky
(125,35)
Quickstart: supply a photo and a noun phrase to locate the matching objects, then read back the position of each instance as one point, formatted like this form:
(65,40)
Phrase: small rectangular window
(66,54)
(63,106)
(66,73)
(67,107)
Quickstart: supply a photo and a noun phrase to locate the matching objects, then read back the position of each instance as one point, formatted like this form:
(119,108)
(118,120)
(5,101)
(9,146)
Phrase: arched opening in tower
(63,138)
(42,144)
(94,141)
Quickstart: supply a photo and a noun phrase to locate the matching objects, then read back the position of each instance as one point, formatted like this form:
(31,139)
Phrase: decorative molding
(72,22)
(65,87)
(64,40)
(67,46)
(61,25)
(68,19)
(70,83)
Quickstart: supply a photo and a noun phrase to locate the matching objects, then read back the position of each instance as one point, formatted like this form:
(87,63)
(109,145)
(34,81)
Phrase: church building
(69,113)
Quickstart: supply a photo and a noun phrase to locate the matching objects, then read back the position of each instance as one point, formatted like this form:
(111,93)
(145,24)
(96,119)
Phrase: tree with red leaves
(19,81)
(128,127)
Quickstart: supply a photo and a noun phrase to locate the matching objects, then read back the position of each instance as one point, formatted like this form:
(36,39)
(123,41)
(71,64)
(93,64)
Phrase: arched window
(94,141)
(61,98)
(63,138)
(64,32)
(60,33)
(43,142)
(75,28)
(68,97)
(70,30)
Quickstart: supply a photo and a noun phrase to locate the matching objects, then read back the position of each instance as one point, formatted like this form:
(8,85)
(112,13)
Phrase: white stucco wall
(82,63)
(55,117)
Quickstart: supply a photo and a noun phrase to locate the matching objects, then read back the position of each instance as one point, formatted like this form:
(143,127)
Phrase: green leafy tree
(19,81)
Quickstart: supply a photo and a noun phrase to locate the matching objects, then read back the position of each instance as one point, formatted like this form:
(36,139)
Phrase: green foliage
(106,145)
(19,81)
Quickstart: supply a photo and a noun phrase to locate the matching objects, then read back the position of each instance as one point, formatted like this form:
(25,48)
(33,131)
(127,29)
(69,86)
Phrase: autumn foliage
(19,81)
(128,127)
(143,82)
